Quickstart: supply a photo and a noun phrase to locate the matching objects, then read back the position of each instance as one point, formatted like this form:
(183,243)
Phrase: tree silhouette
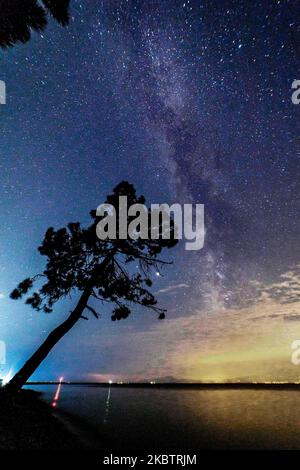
(19,17)
(103,270)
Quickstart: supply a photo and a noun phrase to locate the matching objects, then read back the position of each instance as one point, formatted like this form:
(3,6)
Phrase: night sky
(191,102)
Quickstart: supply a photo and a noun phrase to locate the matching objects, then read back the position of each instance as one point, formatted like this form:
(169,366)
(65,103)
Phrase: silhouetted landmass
(195,385)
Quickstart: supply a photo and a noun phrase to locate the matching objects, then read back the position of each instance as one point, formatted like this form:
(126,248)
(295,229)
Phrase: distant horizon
(154,382)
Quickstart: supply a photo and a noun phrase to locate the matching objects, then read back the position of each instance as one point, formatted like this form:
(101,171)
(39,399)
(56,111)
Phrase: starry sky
(191,102)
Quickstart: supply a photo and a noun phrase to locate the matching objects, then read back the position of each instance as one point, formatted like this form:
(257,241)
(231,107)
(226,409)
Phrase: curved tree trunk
(42,352)
(21,377)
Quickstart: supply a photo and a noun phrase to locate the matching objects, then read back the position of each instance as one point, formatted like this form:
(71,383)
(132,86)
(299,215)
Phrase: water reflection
(186,419)
(107,406)
(56,397)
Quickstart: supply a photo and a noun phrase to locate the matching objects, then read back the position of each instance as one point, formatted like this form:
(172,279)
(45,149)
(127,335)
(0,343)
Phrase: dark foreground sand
(26,423)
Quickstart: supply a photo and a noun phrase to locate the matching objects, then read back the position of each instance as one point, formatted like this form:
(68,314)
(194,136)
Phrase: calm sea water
(185,419)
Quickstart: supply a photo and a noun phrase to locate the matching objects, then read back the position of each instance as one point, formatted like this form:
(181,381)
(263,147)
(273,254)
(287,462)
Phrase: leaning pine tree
(98,270)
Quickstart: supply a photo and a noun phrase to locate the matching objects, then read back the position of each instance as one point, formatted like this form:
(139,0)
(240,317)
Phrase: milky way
(215,87)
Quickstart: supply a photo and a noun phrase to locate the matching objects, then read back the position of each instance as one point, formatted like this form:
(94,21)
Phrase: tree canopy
(78,260)
(18,18)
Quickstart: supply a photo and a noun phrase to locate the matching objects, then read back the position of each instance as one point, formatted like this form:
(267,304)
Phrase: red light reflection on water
(56,397)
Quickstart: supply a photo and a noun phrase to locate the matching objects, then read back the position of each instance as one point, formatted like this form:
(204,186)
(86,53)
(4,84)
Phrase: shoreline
(28,423)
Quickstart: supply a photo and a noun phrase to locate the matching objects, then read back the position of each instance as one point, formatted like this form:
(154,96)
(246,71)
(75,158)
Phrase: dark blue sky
(190,101)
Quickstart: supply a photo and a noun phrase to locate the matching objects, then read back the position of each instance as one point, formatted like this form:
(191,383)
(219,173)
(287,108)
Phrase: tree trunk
(21,377)
(42,352)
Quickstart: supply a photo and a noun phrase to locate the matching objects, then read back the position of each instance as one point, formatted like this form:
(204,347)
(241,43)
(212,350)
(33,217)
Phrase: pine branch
(91,309)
